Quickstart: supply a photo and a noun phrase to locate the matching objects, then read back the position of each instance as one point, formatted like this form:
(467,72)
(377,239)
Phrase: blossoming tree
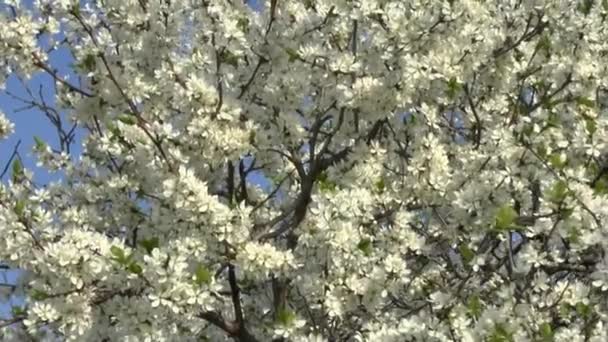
(320,170)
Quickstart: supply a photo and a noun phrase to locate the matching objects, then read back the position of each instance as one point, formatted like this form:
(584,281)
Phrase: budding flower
(6,127)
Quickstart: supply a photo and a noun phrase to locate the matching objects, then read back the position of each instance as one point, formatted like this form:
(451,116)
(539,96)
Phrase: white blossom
(309,170)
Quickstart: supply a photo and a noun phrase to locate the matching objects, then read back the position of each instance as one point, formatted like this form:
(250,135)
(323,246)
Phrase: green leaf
(558,192)
(119,255)
(564,213)
(467,254)
(89,63)
(243,24)
(365,246)
(540,85)
(590,125)
(475,306)
(555,159)
(112,128)
(149,244)
(117,252)
(541,150)
(601,186)
(553,121)
(229,58)
(505,217)
(285,317)
(527,130)
(39,295)
(380,185)
(585,6)
(134,268)
(546,332)
(574,235)
(202,275)
(544,43)
(325,185)
(17,310)
(453,88)
(252,137)
(500,334)
(75,9)
(127,119)
(585,102)
(19,208)
(293,54)
(17,170)
(40,144)
(546,103)
(583,310)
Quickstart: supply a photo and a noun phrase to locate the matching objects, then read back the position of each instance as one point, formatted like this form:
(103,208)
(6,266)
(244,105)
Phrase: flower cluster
(6,127)
(320,170)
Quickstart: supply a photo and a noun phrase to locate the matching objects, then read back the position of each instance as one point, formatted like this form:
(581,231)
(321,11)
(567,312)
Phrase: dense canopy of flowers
(318,170)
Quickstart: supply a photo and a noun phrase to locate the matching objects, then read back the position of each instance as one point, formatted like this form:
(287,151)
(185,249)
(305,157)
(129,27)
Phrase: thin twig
(10,160)
(9,322)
